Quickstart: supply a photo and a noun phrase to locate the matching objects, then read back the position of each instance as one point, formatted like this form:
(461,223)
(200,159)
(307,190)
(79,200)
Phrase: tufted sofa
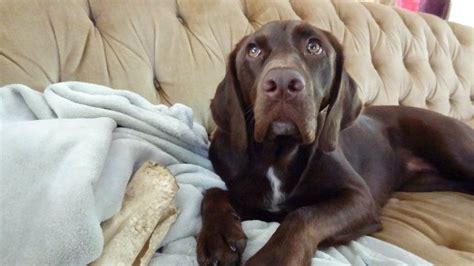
(173,51)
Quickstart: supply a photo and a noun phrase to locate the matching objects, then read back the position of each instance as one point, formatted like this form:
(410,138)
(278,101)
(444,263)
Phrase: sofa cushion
(436,226)
(176,50)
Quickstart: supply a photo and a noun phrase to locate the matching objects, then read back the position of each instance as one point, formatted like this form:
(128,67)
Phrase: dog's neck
(286,157)
(283,161)
(280,151)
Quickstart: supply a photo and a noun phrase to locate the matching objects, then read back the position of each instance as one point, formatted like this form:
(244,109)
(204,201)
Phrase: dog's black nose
(283,83)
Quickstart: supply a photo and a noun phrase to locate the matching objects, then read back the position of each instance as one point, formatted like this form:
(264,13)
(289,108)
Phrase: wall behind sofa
(461,12)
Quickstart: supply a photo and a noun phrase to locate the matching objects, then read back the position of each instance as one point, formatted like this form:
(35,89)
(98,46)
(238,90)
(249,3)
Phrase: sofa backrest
(168,50)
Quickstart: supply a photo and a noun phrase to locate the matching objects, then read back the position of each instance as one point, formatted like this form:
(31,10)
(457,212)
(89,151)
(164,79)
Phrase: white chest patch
(277,195)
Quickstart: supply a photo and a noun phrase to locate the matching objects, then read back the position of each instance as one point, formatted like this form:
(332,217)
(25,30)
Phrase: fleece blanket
(67,156)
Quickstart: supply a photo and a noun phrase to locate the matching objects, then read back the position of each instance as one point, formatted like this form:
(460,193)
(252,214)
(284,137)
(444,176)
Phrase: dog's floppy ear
(344,105)
(226,107)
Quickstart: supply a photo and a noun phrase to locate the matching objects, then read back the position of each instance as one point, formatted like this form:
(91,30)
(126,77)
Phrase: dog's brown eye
(254,51)
(313,47)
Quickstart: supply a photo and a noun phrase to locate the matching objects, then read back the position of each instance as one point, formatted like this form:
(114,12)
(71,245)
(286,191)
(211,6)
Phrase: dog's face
(285,71)
(279,80)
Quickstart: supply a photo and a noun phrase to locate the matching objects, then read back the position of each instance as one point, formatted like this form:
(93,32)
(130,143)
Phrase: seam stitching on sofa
(142,45)
(294,10)
(58,78)
(105,34)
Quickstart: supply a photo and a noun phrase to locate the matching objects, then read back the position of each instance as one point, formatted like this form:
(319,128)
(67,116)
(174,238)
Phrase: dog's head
(278,82)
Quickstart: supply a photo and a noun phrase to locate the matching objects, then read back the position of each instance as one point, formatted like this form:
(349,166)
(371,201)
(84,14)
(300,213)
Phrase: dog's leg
(426,182)
(221,240)
(453,151)
(446,143)
(349,235)
(297,238)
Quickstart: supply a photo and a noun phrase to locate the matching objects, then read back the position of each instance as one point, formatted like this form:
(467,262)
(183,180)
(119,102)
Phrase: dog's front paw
(281,255)
(221,241)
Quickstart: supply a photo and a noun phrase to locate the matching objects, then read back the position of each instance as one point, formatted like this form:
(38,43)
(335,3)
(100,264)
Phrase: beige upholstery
(396,57)
(178,48)
(437,226)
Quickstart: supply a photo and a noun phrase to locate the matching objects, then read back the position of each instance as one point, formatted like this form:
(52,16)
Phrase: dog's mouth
(287,122)
(283,128)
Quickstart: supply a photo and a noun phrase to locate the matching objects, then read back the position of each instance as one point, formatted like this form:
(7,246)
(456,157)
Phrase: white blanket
(66,158)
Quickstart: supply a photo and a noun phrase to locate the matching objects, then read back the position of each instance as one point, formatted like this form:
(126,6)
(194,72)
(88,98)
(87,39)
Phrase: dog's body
(293,146)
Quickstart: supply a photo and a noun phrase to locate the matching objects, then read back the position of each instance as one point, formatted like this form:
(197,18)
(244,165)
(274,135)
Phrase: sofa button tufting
(405,64)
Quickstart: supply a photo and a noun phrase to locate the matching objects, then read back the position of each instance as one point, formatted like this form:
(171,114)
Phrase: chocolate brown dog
(294,145)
